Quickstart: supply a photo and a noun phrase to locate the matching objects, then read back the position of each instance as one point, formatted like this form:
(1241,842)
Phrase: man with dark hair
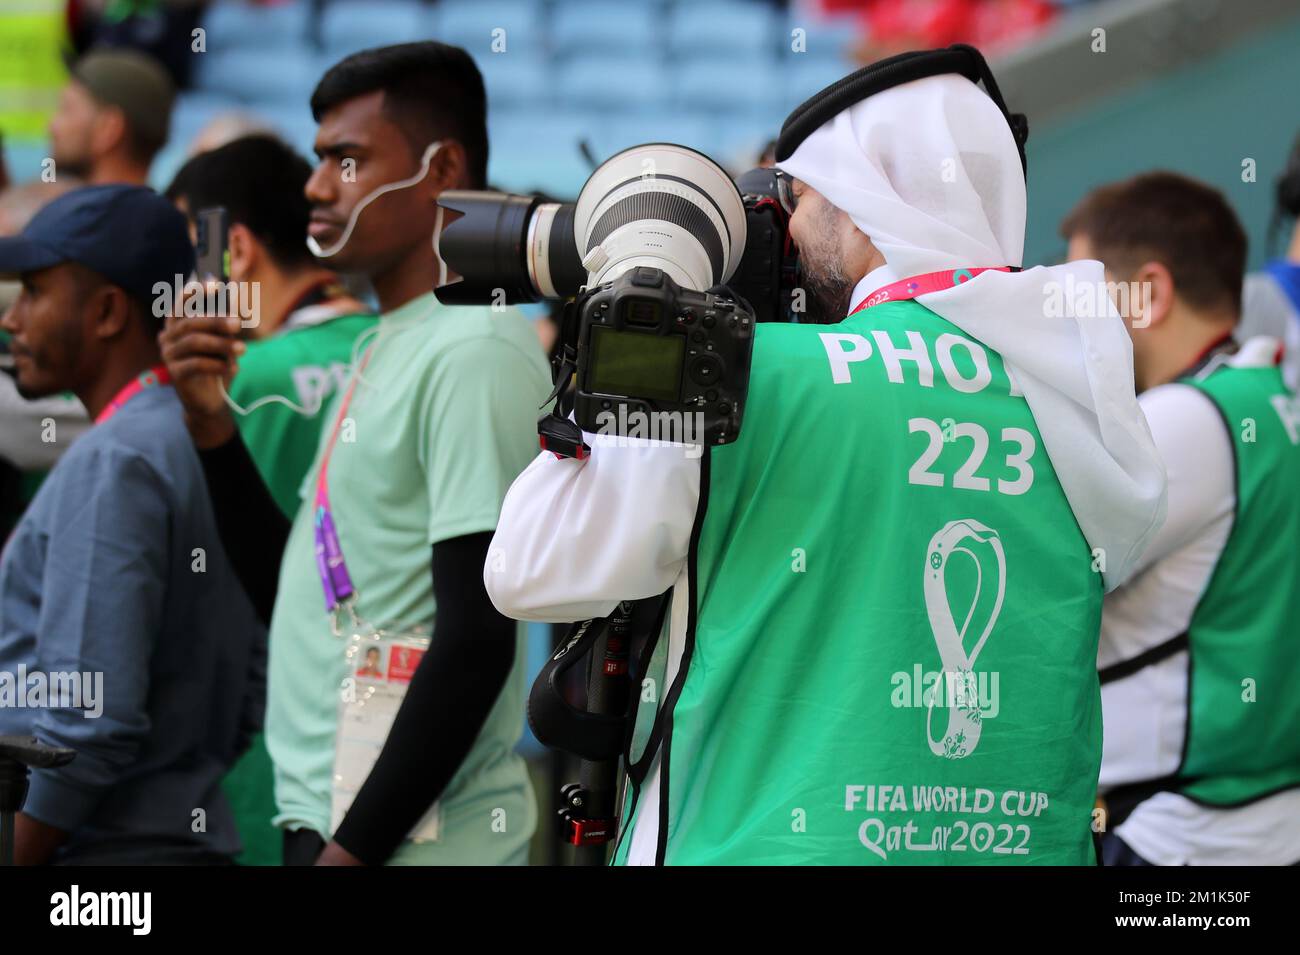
(32,433)
(399,506)
(1201,764)
(299,349)
(114,586)
(430,91)
(1164,232)
(268,206)
(113,117)
(301,335)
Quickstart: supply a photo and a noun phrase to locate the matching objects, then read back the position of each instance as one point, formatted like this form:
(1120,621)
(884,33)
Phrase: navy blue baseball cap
(130,235)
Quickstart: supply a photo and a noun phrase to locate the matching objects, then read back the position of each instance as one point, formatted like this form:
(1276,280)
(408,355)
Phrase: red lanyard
(333,569)
(155,376)
(916,285)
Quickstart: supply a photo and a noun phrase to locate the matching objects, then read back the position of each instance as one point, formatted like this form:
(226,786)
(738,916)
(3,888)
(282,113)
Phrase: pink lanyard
(155,376)
(334,577)
(916,285)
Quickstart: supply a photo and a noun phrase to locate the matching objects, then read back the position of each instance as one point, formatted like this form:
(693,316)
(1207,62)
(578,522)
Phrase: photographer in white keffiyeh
(775,672)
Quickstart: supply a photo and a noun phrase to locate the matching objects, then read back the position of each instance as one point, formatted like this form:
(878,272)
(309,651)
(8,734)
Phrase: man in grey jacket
(123,633)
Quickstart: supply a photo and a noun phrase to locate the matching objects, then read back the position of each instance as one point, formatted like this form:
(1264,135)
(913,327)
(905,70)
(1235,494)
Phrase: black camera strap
(585,702)
(555,432)
(636,770)
(559,723)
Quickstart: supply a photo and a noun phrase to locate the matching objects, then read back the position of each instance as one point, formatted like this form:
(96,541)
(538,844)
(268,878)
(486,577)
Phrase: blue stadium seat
(517,78)
(726,27)
(194,110)
(535,150)
(295,126)
(803,75)
(823,37)
(167,164)
(663,126)
(473,24)
(291,122)
(540,152)
(613,82)
(740,140)
(253,76)
(734,86)
(595,26)
(237,24)
(531,132)
(351,25)
(200,103)
(25,158)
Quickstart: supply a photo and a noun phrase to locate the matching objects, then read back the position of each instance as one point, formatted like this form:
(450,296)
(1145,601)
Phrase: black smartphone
(211,252)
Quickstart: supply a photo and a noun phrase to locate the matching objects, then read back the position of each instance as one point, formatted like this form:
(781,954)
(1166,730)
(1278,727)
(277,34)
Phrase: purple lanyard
(334,578)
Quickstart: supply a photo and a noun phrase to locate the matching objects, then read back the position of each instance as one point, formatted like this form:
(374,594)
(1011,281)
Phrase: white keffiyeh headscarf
(929,171)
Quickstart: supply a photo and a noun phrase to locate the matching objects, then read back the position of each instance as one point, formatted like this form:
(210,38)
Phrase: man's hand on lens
(201,354)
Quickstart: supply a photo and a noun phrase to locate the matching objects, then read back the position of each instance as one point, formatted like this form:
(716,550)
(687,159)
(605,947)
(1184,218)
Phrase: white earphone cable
(305,410)
(320,253)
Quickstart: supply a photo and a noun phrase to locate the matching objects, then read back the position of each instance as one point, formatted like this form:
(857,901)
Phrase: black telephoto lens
(508,248)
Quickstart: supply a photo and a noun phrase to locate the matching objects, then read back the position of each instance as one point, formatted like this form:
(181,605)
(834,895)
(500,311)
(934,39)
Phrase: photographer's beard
(827,286)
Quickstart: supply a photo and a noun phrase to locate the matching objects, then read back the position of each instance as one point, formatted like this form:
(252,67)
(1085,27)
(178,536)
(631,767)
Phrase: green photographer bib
(891,651)
(1244,638)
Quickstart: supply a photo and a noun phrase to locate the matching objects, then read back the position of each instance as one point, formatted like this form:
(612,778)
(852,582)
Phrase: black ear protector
(894,71)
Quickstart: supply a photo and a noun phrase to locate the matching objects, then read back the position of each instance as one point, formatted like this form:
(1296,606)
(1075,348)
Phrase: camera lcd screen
(636,364)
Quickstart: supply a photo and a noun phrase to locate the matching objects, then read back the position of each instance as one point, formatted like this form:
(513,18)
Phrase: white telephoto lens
(664,206)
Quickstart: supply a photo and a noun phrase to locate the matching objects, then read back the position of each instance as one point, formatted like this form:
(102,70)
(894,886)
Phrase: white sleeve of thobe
(577,537)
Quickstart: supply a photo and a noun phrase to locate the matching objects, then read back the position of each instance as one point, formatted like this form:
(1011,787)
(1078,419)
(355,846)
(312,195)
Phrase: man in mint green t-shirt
(417,452)
(427,360)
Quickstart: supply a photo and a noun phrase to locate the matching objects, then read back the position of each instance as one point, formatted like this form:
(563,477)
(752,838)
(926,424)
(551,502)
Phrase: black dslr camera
(656,358)
(666,265)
